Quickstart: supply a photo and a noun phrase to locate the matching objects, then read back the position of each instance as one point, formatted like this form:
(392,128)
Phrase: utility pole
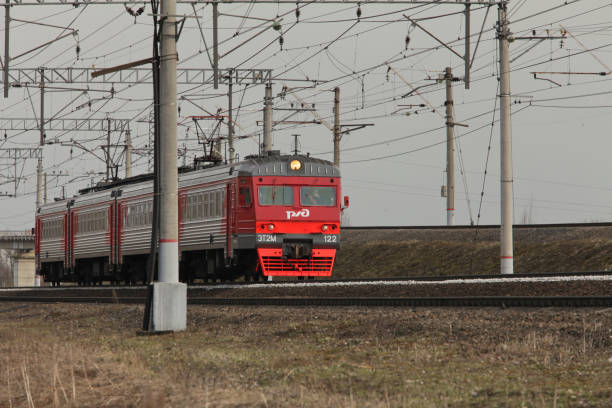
(39,165)
(215,45)
(230,123)
(128,154)
(267,120)
(450,149)
(503,33)
(7,22)
(169,307)
(337,133)
(466,56)
(108,156)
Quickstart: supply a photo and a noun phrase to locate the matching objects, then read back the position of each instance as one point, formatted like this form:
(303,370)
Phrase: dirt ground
(396,252)
(57,355)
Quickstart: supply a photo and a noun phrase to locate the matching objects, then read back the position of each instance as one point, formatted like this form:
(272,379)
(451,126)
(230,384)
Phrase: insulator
(358,12)
(179,110)
(276,26)
(407,41)
(78,50)
(281,41)
(297,13)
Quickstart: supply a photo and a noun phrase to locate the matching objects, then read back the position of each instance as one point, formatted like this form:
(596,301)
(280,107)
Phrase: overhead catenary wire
(377,102)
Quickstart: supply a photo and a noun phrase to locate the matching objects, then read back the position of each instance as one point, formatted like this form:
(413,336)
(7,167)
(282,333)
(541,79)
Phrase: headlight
(295,165)
(271,227)
(324,227)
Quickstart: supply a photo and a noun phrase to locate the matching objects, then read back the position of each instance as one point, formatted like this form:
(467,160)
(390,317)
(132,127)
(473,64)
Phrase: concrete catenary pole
(39,169)
(215,45)
(267,120)
(230,121)
(39,164)
(466,57)
(108,145)
(169,296)
(507,263)
(336,129)
(450,149)
(7,23)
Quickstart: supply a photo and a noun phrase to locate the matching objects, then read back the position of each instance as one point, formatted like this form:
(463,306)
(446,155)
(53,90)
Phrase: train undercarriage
(194,266)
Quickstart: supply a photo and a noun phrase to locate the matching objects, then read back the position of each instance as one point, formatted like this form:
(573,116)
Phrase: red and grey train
(277,215)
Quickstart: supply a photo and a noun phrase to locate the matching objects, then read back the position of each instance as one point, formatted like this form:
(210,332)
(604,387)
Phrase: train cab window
(318,196)
(244,197)
(275,195)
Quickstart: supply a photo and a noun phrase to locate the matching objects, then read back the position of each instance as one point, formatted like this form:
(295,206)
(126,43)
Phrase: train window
(212,204)
(223,204)
(275,195)
(149,216)
(200,206)
(244,197)
(189,208)
(95,221)
(52,229)
(206,206)
(318,196)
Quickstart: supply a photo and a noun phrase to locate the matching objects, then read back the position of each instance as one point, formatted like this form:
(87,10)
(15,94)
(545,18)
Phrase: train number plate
(266,238)
(330,238)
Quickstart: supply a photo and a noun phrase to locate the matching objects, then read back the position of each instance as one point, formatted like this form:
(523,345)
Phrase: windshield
(275,195)
(318,196)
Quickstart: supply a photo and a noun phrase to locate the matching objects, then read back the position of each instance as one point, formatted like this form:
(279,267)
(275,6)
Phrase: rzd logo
(304,212)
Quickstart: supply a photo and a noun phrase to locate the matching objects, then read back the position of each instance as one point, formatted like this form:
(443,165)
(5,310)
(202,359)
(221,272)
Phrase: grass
(93,355)
(380,258)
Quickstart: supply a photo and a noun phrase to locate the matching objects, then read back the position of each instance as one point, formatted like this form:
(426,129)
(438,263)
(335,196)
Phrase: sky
(394,168)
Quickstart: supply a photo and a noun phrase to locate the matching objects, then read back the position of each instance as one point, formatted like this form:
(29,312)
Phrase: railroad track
(560,290)
(416,278)
(473,227)
(482,301)
(466,277)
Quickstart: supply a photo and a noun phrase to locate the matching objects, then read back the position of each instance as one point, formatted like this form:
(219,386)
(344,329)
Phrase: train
(273,215)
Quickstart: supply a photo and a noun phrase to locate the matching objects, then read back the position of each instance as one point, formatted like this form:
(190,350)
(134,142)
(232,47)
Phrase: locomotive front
(295,205)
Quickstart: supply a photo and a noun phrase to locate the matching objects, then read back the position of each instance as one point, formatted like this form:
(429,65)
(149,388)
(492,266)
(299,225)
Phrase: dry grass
(441,252)
(92,356)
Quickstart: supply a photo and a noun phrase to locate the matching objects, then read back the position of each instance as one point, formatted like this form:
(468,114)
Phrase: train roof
(272,165)
(279,165)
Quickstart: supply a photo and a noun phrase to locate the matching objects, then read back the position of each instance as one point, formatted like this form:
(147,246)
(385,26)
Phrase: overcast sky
(392,170)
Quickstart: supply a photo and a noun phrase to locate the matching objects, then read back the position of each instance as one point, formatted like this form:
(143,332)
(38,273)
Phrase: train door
(112,223)
(119,209)
(230,216)
(37,232)
(69,228)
